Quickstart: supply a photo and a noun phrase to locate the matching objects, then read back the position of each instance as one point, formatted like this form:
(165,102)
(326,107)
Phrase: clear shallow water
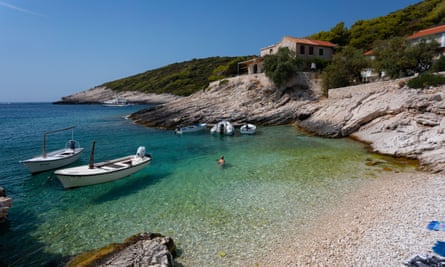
(274,183)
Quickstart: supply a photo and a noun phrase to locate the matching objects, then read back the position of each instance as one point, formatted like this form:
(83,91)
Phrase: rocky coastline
(100,94)
(391,117)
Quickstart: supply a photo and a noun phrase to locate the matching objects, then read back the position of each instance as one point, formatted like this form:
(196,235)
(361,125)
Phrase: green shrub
(425,80)
(439,65)
(282,66)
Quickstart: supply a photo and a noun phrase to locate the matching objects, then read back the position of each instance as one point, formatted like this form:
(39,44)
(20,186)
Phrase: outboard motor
(140,152)
(72,144)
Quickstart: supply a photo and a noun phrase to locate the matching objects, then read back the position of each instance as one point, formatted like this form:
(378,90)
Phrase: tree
(282,66)
(397,59)
(439,65)
(421,55)
(390,57)
(345,68)
(338,35)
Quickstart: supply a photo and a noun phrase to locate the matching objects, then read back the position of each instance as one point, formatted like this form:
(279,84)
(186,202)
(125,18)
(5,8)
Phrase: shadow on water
(27,252)
(130,187)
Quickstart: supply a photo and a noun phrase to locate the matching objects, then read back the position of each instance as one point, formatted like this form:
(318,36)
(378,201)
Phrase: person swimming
(221,160)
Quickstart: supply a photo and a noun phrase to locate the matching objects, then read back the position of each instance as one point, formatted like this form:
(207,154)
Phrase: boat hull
(53,160)
(248,129)
(191,128)
(101,173)
(223,127)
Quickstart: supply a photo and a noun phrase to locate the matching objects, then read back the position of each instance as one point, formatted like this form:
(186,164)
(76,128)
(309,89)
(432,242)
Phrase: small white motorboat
(248,128)
(116,102)
(191,128)
(55,159)
(223,127)
(103,172)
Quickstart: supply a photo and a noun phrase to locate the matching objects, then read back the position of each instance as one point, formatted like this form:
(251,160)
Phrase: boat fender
(140,152)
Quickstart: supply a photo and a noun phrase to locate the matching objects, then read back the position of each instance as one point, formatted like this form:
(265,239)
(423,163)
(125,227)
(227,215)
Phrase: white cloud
(19,9)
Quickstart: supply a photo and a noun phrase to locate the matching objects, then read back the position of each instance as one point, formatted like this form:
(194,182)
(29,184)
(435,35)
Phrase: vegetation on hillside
(180,78)
(386,37)
(392,57)
(404,22)
(399,60)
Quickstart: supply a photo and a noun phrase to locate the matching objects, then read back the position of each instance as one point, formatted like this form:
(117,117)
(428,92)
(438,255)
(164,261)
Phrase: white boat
(116,102)
(248,128)
(54,159)
(191,128)
(103,172)
(223,127)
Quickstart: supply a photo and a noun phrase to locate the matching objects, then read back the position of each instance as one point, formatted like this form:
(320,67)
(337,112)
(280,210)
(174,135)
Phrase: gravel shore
(383,223)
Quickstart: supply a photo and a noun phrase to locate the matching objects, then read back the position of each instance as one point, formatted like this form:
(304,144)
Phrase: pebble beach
(384,223)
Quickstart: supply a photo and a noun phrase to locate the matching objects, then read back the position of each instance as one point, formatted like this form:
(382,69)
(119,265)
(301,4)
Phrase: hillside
(180,79)
(364,33)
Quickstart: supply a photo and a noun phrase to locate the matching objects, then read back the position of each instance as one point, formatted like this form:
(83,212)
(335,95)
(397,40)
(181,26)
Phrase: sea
(273,184)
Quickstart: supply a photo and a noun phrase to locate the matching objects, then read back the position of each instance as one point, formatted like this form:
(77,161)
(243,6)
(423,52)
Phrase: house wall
(440,38)
(270,50)
(256,68)
(326,52)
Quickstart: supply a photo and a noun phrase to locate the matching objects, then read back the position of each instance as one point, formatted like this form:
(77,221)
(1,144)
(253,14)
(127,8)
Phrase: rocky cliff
(101,94)
(247,98)
(392,118)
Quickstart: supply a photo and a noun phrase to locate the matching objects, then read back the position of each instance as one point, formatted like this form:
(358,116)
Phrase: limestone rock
(246,98)
(101,94)
(144,249)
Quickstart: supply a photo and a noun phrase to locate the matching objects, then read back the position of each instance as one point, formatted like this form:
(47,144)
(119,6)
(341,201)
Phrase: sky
(54,48)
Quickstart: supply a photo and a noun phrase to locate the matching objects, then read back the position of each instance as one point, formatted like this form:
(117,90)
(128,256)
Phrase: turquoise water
(273,183)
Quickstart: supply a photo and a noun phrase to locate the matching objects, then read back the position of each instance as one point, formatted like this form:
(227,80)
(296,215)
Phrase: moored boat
(191,128)
(248,128)
(223,127)
(54,159)
(116,102)
(103,172)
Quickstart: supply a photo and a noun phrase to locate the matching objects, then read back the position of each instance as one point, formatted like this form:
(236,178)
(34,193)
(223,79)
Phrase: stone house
(303,48)
(435,33)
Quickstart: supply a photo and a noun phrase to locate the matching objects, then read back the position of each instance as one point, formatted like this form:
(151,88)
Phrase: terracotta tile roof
(368,53)
(426,32)
(310,42)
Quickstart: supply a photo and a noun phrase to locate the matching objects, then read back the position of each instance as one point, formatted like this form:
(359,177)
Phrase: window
(321,52)
(311,50)
(302,49)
